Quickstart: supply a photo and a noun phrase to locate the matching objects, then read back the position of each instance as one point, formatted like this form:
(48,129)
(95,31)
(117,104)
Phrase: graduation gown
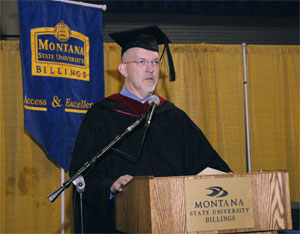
(173,146)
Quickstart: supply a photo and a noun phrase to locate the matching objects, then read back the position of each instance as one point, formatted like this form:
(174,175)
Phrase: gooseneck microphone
(153,103)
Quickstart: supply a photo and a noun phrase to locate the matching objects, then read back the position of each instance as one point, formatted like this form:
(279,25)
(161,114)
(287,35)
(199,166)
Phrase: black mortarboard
(147,38)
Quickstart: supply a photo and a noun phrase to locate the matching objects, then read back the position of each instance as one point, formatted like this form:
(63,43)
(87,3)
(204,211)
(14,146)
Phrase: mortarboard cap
(147,38)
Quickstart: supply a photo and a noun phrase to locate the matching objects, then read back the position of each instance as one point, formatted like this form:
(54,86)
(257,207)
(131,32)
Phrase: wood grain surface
(157,204)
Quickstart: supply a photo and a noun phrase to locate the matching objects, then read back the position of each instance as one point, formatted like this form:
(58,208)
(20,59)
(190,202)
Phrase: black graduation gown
(173,146)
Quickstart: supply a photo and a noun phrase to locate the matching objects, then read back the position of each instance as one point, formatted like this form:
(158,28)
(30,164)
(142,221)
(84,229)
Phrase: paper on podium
(211,171)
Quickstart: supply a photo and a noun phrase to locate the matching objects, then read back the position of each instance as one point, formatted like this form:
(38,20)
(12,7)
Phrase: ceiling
(220,22)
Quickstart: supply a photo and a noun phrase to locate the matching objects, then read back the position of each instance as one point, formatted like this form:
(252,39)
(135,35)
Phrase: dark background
(232,22)
(220,22)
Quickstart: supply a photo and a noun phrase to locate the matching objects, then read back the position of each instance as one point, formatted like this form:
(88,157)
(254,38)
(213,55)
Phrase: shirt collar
(126,93)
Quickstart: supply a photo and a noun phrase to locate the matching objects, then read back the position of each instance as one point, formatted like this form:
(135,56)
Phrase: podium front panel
(157,204)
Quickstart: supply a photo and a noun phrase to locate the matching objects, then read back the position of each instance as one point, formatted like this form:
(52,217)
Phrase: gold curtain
(273,85)
(209,87)
(27,175)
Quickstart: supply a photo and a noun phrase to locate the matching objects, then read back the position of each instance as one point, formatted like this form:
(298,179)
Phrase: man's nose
(149,66)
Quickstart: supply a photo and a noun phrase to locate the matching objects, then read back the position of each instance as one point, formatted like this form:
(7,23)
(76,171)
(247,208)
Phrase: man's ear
(123,69)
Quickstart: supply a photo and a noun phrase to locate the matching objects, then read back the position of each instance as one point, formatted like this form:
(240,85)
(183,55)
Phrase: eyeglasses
(142,63)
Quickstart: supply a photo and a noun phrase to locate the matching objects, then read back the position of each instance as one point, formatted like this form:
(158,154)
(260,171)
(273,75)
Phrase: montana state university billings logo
(218,203)
(217,191)
(60,52)
(62,32)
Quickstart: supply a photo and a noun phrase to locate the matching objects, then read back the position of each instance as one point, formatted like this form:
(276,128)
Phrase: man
(172,145)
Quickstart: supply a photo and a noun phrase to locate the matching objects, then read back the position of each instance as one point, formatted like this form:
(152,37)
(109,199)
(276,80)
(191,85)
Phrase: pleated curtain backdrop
(273,74)
(209,87)
(27,175)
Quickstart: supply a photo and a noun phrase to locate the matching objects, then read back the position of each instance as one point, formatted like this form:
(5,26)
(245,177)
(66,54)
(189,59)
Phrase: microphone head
(154,100)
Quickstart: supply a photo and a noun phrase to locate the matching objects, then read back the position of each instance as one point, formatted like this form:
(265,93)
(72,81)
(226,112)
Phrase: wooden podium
(159,204)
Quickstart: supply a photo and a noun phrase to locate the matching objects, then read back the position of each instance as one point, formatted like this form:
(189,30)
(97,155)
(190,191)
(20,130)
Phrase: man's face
(140,78)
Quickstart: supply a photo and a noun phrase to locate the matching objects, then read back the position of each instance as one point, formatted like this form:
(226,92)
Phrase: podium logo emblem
(217,191)
(218,203)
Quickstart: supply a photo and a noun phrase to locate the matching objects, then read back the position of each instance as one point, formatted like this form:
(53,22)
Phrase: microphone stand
(80,186)
(67,184)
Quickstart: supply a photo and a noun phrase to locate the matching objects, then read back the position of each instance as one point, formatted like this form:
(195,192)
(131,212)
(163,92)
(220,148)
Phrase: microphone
(153,103)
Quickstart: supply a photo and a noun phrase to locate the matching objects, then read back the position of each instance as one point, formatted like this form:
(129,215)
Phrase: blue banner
(63,74)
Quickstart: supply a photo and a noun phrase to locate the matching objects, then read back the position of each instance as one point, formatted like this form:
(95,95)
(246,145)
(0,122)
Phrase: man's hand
(119,183)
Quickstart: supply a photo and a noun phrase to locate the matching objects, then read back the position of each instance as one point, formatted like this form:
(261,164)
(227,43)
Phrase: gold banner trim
(35,108)
(76,111)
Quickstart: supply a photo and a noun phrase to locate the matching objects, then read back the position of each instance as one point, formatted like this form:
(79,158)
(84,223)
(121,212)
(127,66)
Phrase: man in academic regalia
(172,145)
